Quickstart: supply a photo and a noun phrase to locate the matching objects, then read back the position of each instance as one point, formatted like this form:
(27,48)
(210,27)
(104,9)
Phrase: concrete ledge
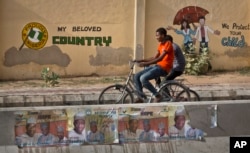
(243,94)
(215,145)
(53,100)
(1,101)
(73,99)
(58,97)
(14,101)
(34,101)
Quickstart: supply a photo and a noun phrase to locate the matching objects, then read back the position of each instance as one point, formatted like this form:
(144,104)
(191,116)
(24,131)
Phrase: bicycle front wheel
(115,94)
(174,92)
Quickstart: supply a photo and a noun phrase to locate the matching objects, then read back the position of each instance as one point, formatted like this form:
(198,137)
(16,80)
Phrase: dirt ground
(210,78)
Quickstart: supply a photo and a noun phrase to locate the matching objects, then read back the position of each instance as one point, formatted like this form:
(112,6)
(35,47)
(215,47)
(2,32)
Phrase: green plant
(197,64)
(50,78)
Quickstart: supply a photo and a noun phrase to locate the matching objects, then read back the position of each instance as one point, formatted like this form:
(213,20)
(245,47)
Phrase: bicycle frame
(129,84)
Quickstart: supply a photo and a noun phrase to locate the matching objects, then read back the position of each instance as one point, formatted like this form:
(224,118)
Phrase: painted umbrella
(190,13)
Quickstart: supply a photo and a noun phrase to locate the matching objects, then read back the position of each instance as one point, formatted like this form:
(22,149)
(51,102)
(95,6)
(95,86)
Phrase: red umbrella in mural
(190,13)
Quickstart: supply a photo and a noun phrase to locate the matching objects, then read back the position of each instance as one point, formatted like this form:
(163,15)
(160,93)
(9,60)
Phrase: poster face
(143,124)
(92,126)
(179,127)
(40,128)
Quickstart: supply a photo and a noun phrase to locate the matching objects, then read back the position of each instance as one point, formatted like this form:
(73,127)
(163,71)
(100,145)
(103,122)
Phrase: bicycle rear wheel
(115,94)
(194,96)
(174,92)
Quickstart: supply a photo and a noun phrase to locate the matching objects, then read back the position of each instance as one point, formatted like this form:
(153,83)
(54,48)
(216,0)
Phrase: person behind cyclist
(179,61)
(163,61)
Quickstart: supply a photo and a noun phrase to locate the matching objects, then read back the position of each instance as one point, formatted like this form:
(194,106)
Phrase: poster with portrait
(143,124)
(179,127)
(40,128)
(92,126)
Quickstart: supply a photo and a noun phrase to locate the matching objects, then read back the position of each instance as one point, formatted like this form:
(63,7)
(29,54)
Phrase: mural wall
(73,38)
(228,39)
(84,38)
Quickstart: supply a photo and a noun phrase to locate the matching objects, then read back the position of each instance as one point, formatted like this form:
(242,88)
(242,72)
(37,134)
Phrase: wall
(225,16)
(84,38)
(110,21)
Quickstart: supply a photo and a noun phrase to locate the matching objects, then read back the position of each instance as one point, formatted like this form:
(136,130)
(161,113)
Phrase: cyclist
(179,61)
(163,61)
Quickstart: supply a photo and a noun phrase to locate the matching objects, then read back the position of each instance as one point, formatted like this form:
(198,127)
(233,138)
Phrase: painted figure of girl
(186,32)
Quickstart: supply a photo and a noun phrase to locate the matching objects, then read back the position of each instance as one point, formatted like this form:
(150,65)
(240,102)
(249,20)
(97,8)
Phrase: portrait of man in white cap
(162,135)
(94,136)
(46,138)
(60,134)
(30,137)
(132,133)
(77,135)
(148,134)
(178,130)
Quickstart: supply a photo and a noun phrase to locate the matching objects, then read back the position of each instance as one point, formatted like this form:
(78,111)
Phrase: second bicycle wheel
(115,94)
(174,92)
(194,96)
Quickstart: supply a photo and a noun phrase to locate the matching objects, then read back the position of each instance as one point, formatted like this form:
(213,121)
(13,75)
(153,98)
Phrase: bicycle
(172,91)
(194,96)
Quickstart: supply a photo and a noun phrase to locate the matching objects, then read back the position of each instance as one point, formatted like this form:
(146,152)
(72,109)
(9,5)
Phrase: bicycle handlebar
(132,64)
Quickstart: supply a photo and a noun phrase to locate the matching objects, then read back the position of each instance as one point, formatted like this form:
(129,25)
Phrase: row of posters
(103,126)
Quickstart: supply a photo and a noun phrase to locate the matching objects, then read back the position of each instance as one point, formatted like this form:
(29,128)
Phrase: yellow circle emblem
(34,35)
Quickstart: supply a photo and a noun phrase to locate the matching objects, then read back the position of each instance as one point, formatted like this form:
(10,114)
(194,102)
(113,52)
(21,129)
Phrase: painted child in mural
(202,33)
(186,32)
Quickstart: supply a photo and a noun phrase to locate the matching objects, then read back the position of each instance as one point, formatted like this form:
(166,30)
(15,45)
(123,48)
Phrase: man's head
(31,126)
(60,132)
(79,122)
(161,129)
(180,119)
(161,34)
(93,126)
(133,123)
(45,128)
(202,20)
(169,38)
(146,125)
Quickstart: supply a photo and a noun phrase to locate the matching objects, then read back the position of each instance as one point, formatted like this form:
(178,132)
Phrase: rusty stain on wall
(107,55)
(47,55)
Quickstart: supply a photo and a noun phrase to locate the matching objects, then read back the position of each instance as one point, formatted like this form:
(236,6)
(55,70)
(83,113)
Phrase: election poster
(179,125)
(40,128)
(92,126)
(143,124)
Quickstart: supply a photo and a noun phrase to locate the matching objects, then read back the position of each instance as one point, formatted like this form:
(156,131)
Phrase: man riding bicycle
(163,61)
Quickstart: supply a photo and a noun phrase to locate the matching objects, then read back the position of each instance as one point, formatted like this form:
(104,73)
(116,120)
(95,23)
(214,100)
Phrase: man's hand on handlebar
(140,63)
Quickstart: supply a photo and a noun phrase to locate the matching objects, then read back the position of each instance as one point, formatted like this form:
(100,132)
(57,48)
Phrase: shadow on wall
(47,55)
(108,55)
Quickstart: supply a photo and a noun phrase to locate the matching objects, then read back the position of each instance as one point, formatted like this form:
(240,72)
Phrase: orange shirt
(167,62)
